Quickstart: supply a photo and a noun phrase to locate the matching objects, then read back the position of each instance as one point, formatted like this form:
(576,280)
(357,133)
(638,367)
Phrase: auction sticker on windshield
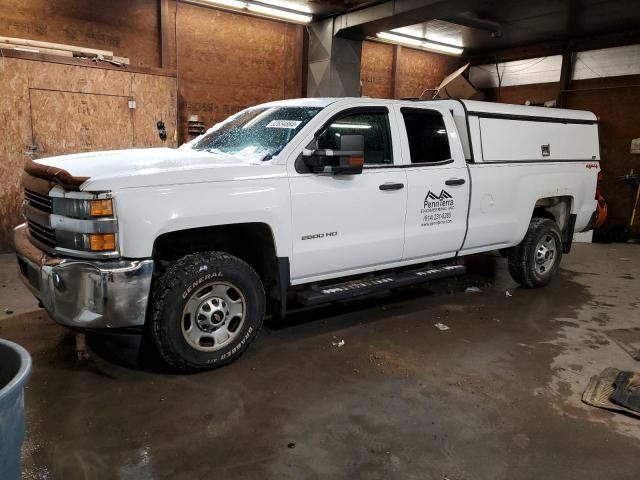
(290,124)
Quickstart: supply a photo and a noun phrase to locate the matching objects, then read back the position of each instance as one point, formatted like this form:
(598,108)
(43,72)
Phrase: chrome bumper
(82,293)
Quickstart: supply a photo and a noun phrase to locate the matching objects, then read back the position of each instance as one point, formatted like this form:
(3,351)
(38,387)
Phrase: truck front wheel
(534,262)
(207,308)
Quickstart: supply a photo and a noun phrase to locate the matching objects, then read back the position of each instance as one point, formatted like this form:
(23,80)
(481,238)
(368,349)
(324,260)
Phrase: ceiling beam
(557,47)
(391,14)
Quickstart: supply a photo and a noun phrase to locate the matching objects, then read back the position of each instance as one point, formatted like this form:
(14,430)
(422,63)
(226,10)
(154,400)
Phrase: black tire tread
(170,280)
(521,261)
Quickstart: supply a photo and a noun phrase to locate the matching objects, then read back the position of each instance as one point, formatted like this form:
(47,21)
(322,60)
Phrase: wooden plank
(122,60)
(48,51)
(88,52)
(87,62)
(395,71)
(164,33)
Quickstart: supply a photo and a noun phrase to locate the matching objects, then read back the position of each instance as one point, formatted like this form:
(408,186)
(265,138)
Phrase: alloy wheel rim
(545,255)
(213,316)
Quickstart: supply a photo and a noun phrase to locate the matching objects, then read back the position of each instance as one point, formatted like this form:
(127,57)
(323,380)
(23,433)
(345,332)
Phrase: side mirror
(349,160)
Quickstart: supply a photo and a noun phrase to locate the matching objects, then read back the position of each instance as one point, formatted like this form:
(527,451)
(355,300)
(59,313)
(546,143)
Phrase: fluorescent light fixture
(417,43)
(288,5)
(442,48)
(411,31)
(275,12)
(414,42)
(229,3)
(415,32)
(434,37)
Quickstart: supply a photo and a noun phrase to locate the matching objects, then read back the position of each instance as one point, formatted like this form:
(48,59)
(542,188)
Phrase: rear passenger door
(438,182)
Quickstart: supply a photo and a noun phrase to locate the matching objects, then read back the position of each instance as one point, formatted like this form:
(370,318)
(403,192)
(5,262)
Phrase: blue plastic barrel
(15,368)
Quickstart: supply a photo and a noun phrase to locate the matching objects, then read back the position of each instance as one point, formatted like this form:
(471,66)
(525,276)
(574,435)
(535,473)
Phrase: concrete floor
(497,396)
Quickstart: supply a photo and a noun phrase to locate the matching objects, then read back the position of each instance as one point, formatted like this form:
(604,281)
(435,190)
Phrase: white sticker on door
(289,124)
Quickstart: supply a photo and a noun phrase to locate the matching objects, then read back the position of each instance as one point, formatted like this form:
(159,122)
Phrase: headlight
(81,208)
(85,224)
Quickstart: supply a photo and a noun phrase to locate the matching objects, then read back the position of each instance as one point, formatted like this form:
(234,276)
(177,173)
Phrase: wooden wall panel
(376,70)
(71,122)
(127,27)
(229,61)
(618,110)
(155,98)
(145,89)
(420,70)
(417,70)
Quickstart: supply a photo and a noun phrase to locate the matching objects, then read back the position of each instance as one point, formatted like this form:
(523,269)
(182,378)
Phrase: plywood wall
(376,70)
(416,71)
(129,28)
(155,98)
(229,61)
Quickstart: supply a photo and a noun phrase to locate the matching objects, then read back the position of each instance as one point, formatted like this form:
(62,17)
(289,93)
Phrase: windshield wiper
(219,152)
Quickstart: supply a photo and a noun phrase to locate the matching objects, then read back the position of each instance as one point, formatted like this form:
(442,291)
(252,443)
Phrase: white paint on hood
(113,169)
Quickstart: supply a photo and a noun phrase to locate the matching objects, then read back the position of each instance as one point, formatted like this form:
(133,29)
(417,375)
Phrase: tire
(535,261)
(207,308)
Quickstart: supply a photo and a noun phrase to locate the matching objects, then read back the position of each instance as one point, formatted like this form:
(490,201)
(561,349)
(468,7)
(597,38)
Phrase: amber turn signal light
(101,208)
(100,242)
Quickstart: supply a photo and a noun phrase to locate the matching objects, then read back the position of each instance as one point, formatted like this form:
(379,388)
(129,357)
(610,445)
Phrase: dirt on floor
(438,382)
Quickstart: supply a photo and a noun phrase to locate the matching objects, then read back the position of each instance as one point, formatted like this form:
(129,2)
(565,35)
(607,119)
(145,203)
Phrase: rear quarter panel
(504,195)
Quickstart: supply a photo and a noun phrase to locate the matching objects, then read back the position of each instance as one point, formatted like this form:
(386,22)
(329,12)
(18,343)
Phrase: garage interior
(456,379)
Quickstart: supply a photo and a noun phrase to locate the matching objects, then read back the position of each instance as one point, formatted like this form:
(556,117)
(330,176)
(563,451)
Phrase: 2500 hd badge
(314,236)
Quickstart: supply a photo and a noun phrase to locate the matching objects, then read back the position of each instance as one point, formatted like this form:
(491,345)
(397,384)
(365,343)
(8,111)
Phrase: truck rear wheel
(207,308)
(534,262)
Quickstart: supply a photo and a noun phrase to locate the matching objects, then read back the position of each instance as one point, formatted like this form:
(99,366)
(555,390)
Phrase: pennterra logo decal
(432,197)
(437,209)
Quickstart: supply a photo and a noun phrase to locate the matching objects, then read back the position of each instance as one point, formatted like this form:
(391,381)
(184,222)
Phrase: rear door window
(427,136)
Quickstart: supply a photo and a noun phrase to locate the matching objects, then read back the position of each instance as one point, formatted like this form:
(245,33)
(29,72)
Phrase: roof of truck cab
(471,106)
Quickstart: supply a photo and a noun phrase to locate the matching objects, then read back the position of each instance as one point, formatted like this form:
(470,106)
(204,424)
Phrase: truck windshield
(257,133)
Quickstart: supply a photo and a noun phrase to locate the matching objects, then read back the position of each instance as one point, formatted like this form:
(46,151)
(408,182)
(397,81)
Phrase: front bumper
(85,294)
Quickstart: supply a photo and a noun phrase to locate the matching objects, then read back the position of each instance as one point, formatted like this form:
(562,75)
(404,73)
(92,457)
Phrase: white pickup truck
(296,203)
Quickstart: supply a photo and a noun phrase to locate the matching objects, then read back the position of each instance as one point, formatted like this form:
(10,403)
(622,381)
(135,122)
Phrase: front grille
(42,234)
(39,201)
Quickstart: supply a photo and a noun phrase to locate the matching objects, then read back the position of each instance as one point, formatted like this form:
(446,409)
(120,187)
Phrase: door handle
(455,181)
(391,186)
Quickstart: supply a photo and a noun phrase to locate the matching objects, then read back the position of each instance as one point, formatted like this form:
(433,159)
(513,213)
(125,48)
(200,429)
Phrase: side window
(428,140)
(373,126)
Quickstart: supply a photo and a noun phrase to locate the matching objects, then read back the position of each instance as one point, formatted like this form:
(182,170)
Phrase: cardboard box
(456,86)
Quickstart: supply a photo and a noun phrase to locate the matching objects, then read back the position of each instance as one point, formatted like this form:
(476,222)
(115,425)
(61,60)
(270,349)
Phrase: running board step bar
(365,286)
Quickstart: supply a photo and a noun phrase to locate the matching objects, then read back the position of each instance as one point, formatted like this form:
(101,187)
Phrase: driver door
(347,224)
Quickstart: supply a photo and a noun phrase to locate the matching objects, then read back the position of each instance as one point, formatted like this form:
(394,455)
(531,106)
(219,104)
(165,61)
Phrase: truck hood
(110,170)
